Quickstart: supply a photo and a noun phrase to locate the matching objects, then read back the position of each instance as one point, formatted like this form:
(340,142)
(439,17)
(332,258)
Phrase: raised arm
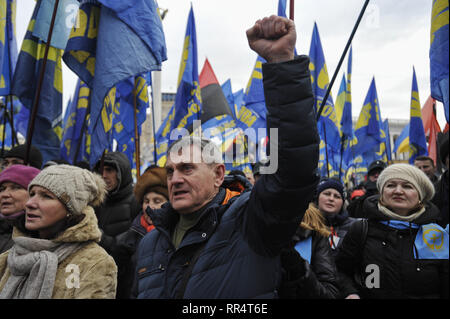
(278,201)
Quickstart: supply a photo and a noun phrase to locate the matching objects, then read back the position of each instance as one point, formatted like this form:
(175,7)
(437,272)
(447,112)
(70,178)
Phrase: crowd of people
(189,230)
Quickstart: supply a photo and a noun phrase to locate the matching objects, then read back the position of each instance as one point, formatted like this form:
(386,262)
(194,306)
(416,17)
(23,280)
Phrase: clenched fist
(273,38)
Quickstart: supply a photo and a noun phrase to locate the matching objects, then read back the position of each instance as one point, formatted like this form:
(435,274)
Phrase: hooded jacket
(97,270)
(391,250)
(120,207)
(241,240)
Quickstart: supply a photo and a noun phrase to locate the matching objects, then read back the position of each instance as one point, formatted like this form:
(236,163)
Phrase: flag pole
(39,87)
(349,42)
(136,134)
(153,128)
(4,131)
(14,138)
(343,141)
(326,149)
(291,10)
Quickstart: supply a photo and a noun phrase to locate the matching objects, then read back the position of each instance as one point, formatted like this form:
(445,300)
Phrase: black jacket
(339,224)
(6,241)
(302,280)
(116,214)
(242,240)
(440,198)
(391,250)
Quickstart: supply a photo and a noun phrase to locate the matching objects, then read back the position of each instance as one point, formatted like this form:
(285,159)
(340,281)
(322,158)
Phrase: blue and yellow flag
(340,100)
(8,45)
(328,124)
(187,104)
(47,132)
(368,130)
(417,139)
(401,144)
(130,92)
(111,42)
(75,128)
(439,57)
(346,119)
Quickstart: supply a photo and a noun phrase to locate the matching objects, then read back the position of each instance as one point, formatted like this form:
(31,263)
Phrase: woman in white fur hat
(61,257)
(400,251)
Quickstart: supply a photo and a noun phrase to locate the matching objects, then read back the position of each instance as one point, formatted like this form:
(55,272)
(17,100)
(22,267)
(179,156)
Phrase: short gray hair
(210,152)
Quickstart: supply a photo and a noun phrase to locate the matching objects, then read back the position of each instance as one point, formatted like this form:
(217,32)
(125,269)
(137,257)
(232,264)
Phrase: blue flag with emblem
(130,92)
(439,57)
(48,125)
(368,130)
(115,40)
(73,144)
(328,124)
(431,242)
(417,139)
(187,104)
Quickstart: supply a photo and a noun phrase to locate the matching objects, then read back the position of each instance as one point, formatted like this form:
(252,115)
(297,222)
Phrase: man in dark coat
(440,199)
(116,214)
(212,242)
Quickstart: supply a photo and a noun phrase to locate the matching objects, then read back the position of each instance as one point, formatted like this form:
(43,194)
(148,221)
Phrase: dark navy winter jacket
(243,238)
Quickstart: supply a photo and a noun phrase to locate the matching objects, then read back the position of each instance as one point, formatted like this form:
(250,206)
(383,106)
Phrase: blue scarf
(432,241)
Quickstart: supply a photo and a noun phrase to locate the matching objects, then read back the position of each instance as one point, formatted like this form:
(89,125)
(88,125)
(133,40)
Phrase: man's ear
(219,174)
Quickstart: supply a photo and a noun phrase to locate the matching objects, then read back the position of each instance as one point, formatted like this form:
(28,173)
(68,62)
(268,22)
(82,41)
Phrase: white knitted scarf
(33,264)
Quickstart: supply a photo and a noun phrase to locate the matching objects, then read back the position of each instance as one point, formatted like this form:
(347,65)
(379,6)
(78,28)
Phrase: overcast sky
(393,37)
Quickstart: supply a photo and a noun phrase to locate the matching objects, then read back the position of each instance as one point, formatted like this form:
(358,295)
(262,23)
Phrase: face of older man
(192,184)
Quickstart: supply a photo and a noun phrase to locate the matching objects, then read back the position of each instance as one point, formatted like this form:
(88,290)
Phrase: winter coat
(440,198)
(391,250)
(126,256)
(97,270)
(241,239)
(339,224)
(116,214)
(315,280)
(6,241)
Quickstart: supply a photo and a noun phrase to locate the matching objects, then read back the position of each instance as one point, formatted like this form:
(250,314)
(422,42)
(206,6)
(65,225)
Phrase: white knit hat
(408,173)
(73,186)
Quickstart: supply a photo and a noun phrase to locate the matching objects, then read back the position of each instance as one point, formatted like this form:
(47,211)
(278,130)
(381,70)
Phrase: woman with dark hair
(400,251)
(59,257)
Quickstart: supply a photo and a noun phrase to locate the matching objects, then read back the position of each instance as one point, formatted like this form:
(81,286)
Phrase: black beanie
(20,151)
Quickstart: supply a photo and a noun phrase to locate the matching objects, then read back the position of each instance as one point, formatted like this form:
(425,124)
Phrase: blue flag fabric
(328,124)
(8,45)
(187,104)
(368,130)
(346,119)
(417,139)
(401,144)
(73,127)
(48,124)
(129,91)
(432,242)
(119,52)
(64,21)
(304,248)
(439,56)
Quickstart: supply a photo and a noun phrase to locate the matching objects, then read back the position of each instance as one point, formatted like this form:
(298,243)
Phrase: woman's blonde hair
(314,220)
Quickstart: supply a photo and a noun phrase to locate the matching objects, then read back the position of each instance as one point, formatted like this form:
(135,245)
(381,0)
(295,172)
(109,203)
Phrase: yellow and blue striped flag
(8,45)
